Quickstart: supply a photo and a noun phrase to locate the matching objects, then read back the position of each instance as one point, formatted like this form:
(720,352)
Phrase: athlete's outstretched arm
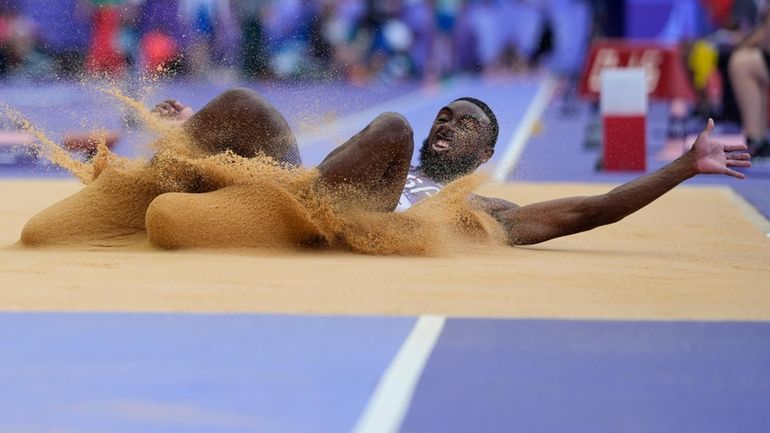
(540,222)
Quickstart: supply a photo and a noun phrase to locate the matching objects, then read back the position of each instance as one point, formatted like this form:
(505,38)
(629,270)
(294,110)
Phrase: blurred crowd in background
(358,40)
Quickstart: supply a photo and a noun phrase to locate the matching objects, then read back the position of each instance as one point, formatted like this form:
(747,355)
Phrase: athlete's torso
(418,187)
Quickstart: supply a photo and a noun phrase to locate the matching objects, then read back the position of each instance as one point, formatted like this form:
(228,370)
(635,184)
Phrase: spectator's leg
(242,121)
(749,77)
(375,161)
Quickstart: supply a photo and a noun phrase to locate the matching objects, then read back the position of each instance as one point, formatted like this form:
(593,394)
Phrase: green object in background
(102,3)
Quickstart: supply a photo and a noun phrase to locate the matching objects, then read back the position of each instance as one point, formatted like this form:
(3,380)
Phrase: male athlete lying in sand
(376,161)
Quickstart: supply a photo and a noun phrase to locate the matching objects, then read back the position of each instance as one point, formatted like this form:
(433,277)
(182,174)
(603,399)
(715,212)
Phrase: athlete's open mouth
(443,141)
(441,145)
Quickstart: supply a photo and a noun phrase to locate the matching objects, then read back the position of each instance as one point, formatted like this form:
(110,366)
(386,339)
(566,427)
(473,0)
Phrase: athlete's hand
(173,110)
(713,157)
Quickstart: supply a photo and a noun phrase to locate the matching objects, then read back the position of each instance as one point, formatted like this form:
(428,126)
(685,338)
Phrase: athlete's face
(459,141)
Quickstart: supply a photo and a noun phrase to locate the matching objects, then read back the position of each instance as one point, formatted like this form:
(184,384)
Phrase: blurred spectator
(163,39)
(104,54)
(19,42)
(63,28)
(571,23)
(436,52)
(359,40)
(286,25)
(750,77)
(213,37)
(707,34)
(338,30)
(686,22)
(513,35)
(198,16)
(254,55)
(320,41)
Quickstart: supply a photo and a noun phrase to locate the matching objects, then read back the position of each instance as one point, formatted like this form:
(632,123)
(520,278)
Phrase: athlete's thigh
(258,214)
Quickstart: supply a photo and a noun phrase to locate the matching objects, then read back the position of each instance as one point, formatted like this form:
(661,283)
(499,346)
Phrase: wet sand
(694,254)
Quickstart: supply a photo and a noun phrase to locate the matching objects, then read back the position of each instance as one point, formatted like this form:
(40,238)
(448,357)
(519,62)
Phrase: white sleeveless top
(418,187)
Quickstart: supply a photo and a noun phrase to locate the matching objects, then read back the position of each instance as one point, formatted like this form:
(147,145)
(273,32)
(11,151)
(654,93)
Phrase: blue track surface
(567,376)
(267,373)
(190,373)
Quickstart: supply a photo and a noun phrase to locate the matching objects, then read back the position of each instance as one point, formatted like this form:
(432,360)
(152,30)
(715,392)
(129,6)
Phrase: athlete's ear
(487,155)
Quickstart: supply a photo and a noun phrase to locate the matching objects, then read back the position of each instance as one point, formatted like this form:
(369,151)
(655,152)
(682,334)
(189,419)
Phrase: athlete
(462,137)
(376,161)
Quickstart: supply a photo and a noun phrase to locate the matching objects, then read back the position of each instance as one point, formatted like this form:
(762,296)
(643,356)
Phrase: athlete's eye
(469,123)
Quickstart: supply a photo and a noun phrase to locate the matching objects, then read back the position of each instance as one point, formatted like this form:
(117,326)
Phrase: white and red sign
(624,114)
(666,77)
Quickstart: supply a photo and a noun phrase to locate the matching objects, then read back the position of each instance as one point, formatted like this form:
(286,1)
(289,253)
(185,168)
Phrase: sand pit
(693,254)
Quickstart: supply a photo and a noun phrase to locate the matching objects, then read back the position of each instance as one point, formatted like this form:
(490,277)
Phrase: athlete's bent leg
(259,214)
(108,212)
(375,161)
(243,122)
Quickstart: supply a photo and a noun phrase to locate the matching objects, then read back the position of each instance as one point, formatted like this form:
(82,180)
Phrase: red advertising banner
(666,76)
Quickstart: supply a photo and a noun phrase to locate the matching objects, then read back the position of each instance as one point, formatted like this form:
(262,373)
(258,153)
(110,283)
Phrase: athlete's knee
(160,222)
(34,233)
(250,107)
(239,95)
(393,129)
(394,123)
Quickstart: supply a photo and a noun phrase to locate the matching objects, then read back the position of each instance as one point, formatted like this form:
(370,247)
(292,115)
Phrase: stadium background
(659,323)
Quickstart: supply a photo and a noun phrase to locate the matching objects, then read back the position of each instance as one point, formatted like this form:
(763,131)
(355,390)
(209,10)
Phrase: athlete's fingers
(734,173)
(739,156)
(176,105)
(163,108)
(705,134)
(186,113)
(734,147)
(733,163)
(721,145)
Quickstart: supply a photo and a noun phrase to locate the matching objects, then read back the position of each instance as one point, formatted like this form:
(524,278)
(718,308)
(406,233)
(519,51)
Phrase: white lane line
(390,400)
(520,137)
(749,211)
(413,101)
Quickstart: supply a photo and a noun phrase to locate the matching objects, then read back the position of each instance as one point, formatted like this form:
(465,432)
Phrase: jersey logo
(415,189)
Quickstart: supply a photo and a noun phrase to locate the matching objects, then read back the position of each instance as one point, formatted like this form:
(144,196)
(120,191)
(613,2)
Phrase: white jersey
(418,187)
